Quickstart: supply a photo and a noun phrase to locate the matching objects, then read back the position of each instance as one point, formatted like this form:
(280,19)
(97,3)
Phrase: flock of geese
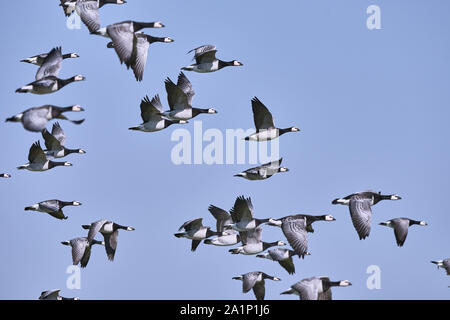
(239,227)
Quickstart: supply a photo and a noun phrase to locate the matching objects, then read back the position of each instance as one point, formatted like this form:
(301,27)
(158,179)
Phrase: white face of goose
(345,283)
(281,243)
(275,222)
(295,129)
(121,2)
(67,164)
(423,223)
(211,110)
(329,217)
(76,203)
(395,197)
(81,151)
(237,63)
(77,108)
(167,40)
(74,55)
(284,169)
(159,24)
(276,279)
(79,78)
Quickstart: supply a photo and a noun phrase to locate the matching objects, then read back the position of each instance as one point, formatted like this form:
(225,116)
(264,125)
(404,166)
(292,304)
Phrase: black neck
(70,151)
(283,131)
(223,64)
(260,221)
(141,25)
(53,164)
(267,245)
(412,222)
(67,55)
(64,82)
(196,111)
(154,39)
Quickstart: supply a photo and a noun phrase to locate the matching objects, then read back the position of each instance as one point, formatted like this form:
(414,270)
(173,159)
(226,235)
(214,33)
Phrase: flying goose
(253,244)
(180,97)
(264,171)
(400,226)
(445,263)
(295,230)
(265,129)
(223,218)
(316,288)
(242,215)
(39,59)
(255,280)
(206,61)
(36,119)
(5,175)
(39,162)
(48,84)
(81,250)
(151,116)
(195,231)
(282,256)
(54,295)
(132,46)
(53,207)
(309,220)
(54,142)
(88,11)
(110,232)
(360,209)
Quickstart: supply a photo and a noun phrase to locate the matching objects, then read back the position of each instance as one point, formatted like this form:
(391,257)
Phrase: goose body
(206,61)
(265,128)
(282,256)
(54,142)
(180,97)
(195,231)
(39,162)
(316,288)
(242,216)
(39,59)
(36,119)
(360,209)
(310,219)
(54,295)
(48,84)
(53,207)
(295,230)
(110,232)
(253,244)
(81,250)
(401,226)
(151,116)
(255,281)
(229,236)
(445,264)
(264,171)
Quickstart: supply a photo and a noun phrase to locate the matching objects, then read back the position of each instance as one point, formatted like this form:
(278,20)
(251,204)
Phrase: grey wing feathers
(140,55)
(205,54)
(78,249)
(58,133)
(306,289)
(400,231)
(111,244)
(222,217)
(261,115)
(253,236)
(36,153)
(242,209)
(51,65)
(186,86)
(361,215)
(94,229)
(123,41)
(192,224)
(249,280)
(150,108)
(88,11)
(295,231)
(259,290)
(176,98)
(51,143)
(51,205)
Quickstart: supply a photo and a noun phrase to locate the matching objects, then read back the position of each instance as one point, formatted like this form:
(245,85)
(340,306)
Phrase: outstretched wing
(205,54)
(140,55)
(58,133)
(294,229)
(88,12)
(150,109)
(51,65)
(94,229)
(111,244)
(361,215)
(36,153)
(261,115)
(123,41)
(51,143)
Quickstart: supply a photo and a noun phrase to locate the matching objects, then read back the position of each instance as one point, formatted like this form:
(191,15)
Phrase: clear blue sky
(373,107)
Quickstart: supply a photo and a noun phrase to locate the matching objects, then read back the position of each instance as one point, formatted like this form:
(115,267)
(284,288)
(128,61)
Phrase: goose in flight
(400,226)
(295,230)
(206,61)
(81,250)
(265,128)
(445,263)
(110,232)
(360,209)
(264,171)
(242,215)
(316,288)
(180,97)
(88,10)
(39,162)
(253,244)
(48,84)
(39,59)
(195,231)
(132,46)
(255,280)
(54,142)
(53,207)
(151,116)
(230,237)
(5,175)
(54,295)
(309,220)
(282,256)
(36,119)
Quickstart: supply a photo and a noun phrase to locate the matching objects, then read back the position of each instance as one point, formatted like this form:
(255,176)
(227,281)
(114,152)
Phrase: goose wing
(150,109)
(88,12)
(446,265)
(49,295)
(222,217)
(192,224)
(58,133)
(95,228)
(242,209)
(176,97)
(204,54)
(51,65)
(111,244)
(361,214)
(325,294)
(259,290)
(123,41)
(254,236)
(294,229)
(400,230)
(36,154)
(139,55)
(307,289)
(279,255)
(270,168)
(50,205)
(86,256)
(249,280)
(184,84)
(79,246)
(51,143)
(261,115)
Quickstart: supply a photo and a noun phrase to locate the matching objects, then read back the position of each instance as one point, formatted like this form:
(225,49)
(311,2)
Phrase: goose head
(158,24)
(423,223)
(77,108)
(344,283)
(74,55)
(283,169)
(294,129)
(329,217)
(168,40)
(237,63)
(79,78)
(395,197)
(212,111)
(76,203)
(275,222)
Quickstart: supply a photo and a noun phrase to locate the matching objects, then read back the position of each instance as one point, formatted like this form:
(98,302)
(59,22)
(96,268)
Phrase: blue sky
(372,106)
